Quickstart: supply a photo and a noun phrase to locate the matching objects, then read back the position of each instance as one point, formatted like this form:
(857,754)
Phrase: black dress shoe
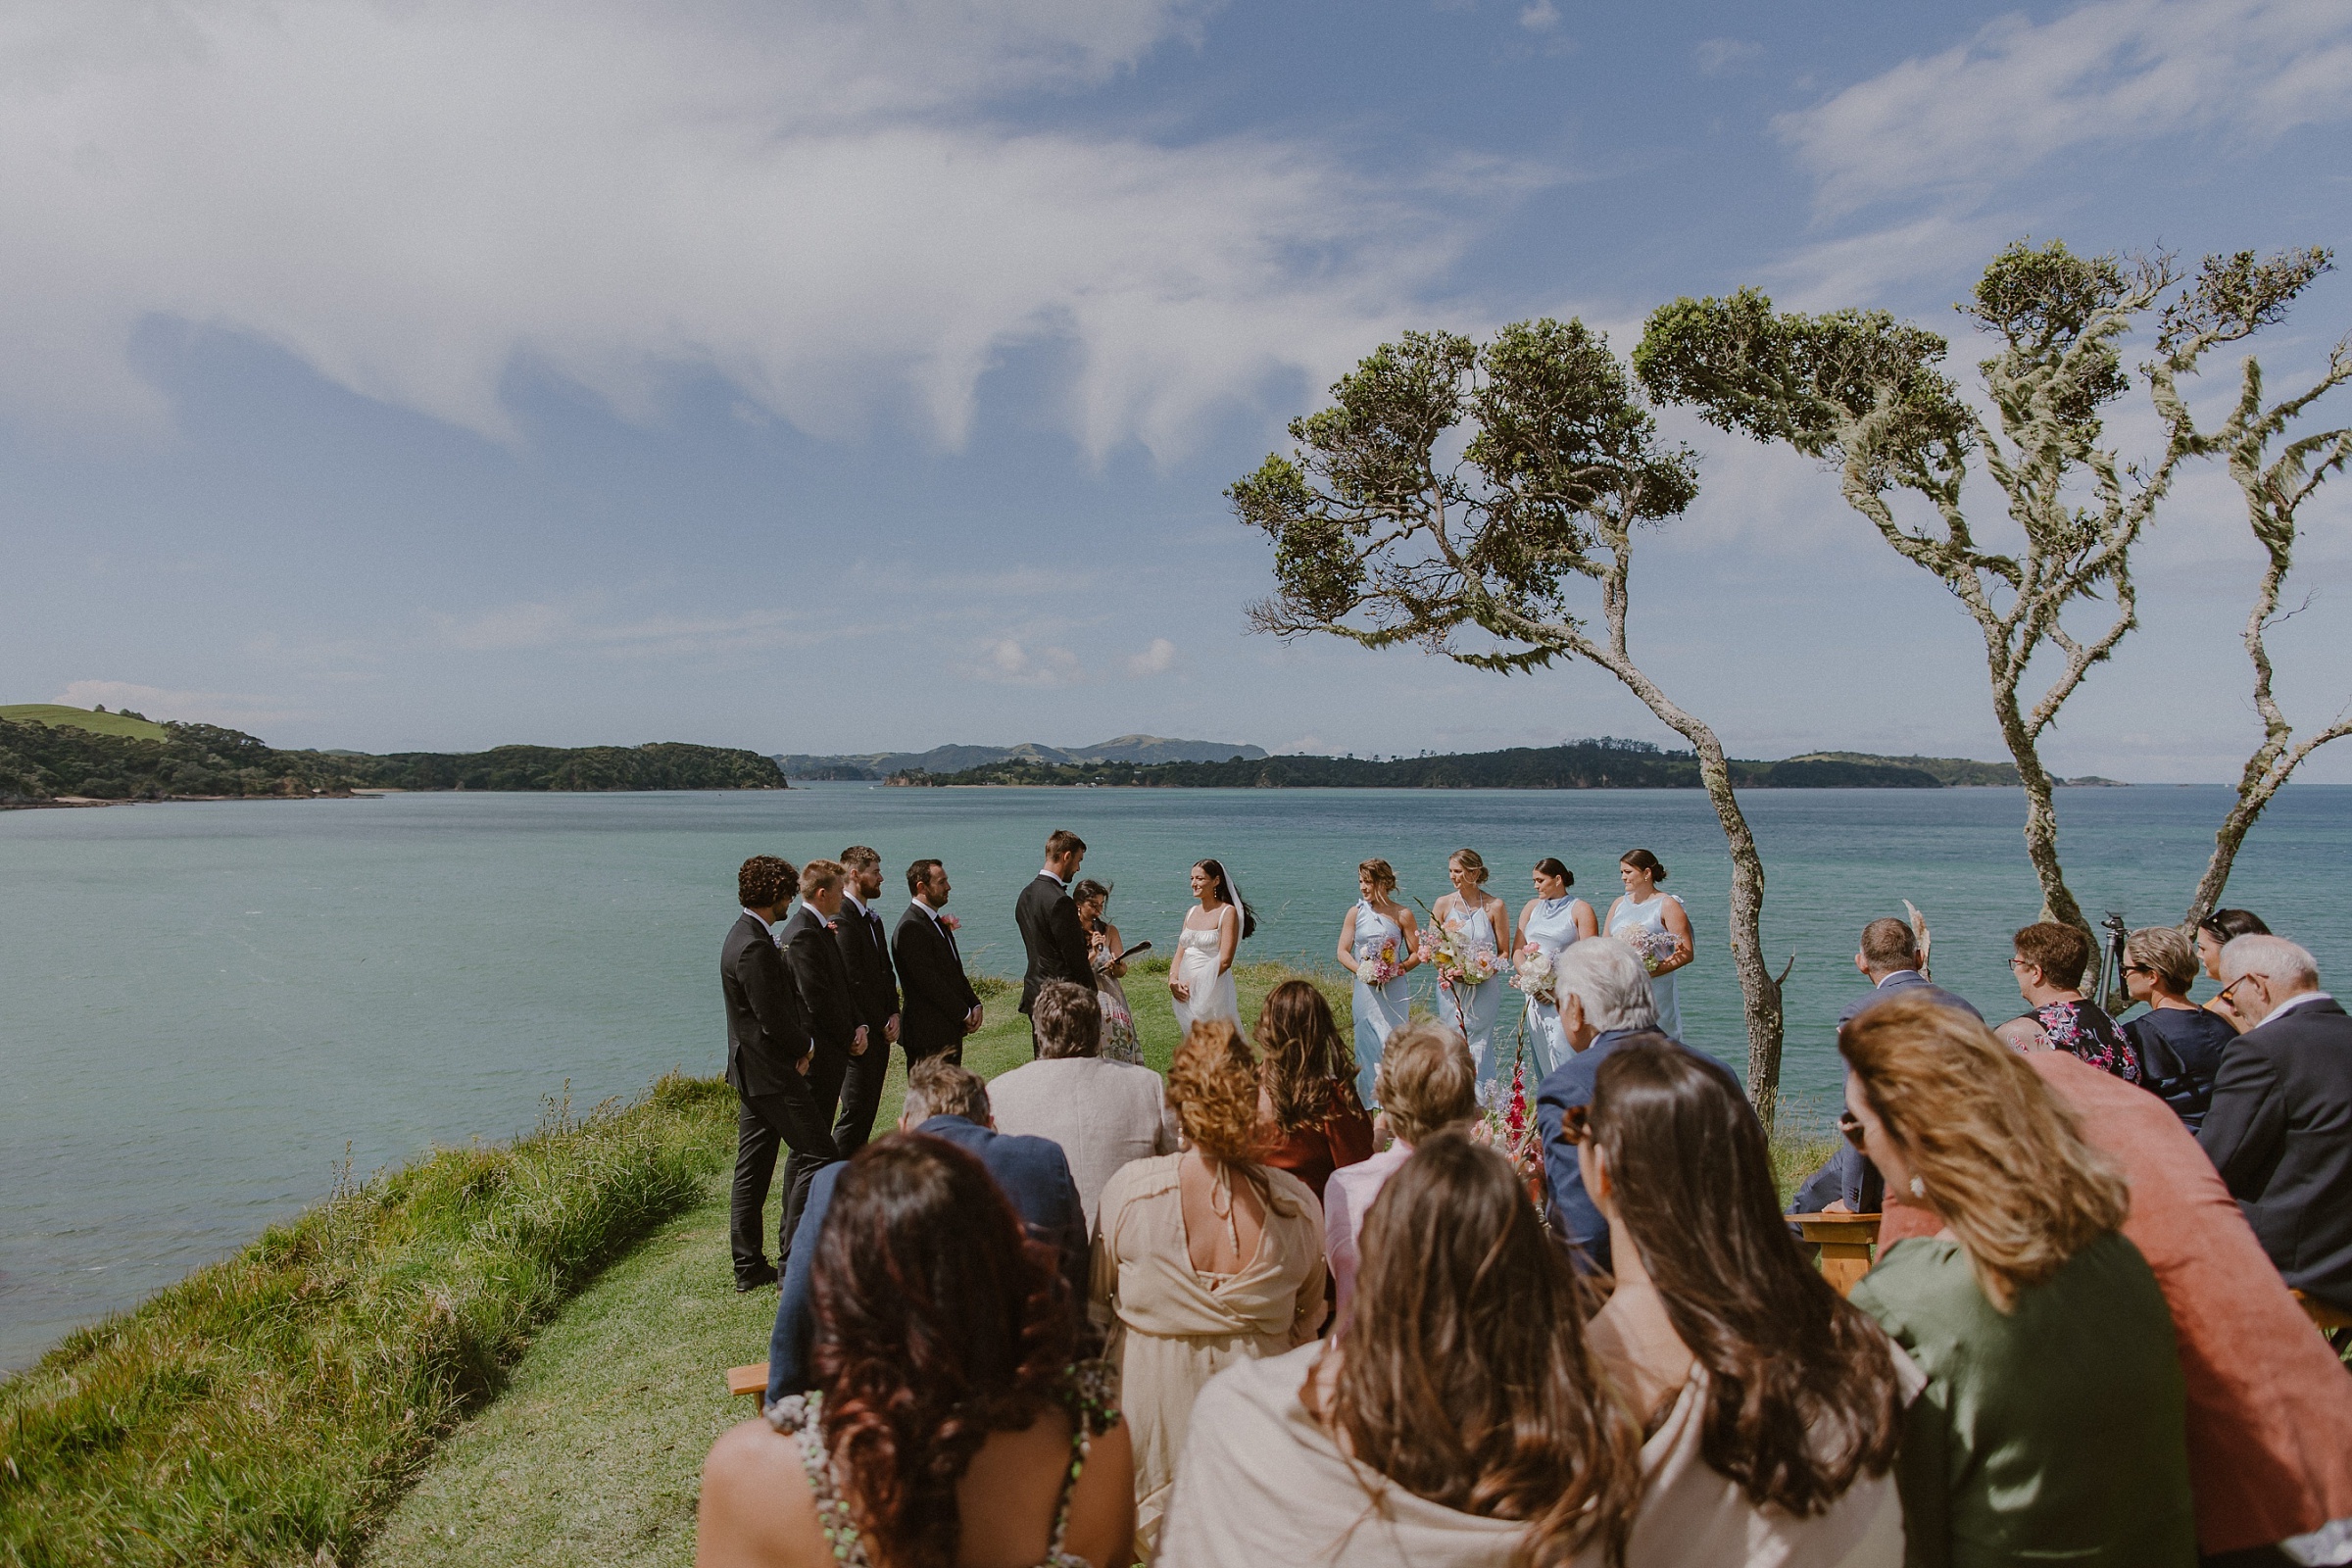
(745,1283)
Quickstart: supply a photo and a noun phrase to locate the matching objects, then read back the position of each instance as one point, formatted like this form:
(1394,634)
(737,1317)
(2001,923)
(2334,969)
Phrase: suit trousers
(861,1094)
(824,1086)
(762,1123)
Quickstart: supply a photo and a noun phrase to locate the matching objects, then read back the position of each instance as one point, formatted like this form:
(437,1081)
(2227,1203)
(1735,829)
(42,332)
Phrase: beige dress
(1173,1328)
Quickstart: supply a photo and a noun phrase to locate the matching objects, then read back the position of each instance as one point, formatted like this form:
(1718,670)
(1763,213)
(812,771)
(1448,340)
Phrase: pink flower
(952,923)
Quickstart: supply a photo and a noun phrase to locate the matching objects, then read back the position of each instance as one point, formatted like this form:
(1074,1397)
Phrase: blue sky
(835,377)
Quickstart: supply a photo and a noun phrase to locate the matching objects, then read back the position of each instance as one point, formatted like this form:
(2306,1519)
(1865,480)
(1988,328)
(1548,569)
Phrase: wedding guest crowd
(2080,1341)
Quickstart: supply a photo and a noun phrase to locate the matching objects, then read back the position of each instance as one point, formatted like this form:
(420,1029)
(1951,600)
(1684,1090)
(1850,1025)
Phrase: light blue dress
(1379,1009)
(1626,919)
(1473,1008)
(1552,926)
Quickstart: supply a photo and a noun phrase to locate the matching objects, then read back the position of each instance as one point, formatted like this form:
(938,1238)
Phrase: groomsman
(942,1007)
(814,957)
(768,1061)
(1049,921)
(874,990)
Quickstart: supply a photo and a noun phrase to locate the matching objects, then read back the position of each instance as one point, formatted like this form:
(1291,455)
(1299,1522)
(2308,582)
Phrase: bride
(1200,980)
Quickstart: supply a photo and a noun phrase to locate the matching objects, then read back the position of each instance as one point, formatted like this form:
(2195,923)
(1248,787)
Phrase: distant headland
(52,755)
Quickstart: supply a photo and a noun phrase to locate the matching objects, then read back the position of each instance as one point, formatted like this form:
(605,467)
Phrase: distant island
(1603,763)
(879,765)
(52,755)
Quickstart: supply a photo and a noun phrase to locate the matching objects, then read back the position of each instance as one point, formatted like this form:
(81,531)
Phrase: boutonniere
(952,923)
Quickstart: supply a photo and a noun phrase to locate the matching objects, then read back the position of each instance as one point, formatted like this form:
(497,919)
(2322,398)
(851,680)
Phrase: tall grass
(270,1407)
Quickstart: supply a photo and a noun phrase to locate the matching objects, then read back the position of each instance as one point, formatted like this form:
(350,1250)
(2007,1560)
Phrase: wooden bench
(752,1380)
(1846,1241)
(2328,1318)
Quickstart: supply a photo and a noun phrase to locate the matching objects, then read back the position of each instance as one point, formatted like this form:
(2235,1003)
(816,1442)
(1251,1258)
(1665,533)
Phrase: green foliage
(662,765)
(272,1407)
(135,726)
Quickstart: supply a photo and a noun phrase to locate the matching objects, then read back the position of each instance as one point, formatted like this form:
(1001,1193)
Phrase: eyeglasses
(1851,1126)
(2023,963)
(2137,968)
(2223,995)
(1576,1123)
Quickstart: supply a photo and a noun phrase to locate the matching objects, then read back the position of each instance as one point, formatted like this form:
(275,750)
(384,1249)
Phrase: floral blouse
(2083,1029)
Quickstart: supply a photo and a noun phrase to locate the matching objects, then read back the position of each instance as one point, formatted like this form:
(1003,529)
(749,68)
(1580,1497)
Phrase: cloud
(1009,662)
(232,710)
(830,207)
(1720,57)
(539,625)
(1155,659)
(2116,70)
(1540,17)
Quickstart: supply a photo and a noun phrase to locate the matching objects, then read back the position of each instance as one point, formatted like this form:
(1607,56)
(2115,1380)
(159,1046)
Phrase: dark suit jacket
(815,959)
(939,995)
(1049,930)
(1034,1173)
(1907,980)
(866,954)
(767,1030)
(2279,1131)
(1849,1174)
(1575,1218)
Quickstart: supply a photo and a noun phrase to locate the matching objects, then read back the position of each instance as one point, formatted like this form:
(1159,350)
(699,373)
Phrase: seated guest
(2280,1127)
(2179,1043)
(1461,1424)
(1102,1113)
(2048,964)
(2270,1413)
(1201,1258)
(947,1423)
(1604,994)
(2214,933)
(1890,955)
(1427,1082)
(1774,1405)
(944,1102)
(2053,1424)
(1312,1120)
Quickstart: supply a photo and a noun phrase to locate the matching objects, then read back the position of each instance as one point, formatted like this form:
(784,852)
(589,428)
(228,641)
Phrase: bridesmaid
(1378,924)
(1551,920)
(1650,918)
(1474,918)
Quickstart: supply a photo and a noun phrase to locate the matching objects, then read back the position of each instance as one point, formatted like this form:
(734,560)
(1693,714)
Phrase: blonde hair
(1425,1081)
(2000,1158)
(1212,1086)
(818,875)
(1471,861)
(1378,873)
(2163,949)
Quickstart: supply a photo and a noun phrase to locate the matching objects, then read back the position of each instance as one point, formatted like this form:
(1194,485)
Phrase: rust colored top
(1312,1153)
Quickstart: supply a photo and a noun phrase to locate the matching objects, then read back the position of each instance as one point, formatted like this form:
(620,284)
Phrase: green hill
(132,726)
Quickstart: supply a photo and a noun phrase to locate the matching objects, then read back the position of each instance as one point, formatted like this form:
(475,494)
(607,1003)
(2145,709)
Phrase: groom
(1050,928)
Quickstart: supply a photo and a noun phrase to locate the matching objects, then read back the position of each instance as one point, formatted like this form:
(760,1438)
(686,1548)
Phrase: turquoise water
(201,1005)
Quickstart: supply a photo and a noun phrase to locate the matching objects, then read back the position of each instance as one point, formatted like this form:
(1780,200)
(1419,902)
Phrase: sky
(403,375)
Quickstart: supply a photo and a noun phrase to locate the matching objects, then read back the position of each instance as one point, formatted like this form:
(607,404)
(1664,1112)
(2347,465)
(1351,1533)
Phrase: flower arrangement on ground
(1508,1123)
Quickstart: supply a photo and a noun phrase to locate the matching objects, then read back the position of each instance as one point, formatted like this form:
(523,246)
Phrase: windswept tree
(2231,299)
(1863,391)
(1380,538)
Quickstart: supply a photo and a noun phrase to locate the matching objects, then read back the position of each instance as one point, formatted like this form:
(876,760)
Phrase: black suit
(823,980)
(767,1033)
(1056,942)
(939,995)
(874,992)
(2279,1131)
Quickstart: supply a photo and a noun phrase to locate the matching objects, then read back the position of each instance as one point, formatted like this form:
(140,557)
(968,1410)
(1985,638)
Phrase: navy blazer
(1575,1218)
(1907,980)
(2279,1131)
(1034,1173)
(1850,1175)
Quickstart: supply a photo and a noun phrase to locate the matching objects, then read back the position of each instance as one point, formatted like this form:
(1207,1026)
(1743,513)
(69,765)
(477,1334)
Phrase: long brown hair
(938,1322)
(1801,1390)
(1998,1155)
(1465,1378)
(1310,1072)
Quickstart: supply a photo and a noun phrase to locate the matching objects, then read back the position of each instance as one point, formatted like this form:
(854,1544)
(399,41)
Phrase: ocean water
(204,1008)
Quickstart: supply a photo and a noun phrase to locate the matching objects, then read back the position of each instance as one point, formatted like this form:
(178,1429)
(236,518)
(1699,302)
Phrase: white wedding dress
(1212,994)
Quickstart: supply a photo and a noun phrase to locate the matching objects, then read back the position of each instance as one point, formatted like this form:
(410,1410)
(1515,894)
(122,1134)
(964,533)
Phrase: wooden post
(1846,1241)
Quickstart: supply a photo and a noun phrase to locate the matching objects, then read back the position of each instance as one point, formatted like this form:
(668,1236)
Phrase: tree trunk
(2041,818)
(1759,992)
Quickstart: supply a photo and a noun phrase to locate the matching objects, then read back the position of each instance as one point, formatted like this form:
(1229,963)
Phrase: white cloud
(235,711)
(1012,663)
(1155,659)
(573,623)
(824,204)
(1719,57)
(2116,70)
(1540,17)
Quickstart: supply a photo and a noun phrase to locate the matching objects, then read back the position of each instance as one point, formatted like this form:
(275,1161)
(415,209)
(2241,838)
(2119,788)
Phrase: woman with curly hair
(1202,1258)
(1774,1408)
(950,1426)
(1307,1103)
(1462,1423)
(2054,1422)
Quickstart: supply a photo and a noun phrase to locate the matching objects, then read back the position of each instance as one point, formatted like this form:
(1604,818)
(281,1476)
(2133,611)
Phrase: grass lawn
(55,713)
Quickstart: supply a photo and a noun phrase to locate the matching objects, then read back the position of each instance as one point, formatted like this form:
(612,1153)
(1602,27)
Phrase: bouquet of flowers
(1656,944)
(1380,966)
(1508,1124)
(1534,976)
(1457,958)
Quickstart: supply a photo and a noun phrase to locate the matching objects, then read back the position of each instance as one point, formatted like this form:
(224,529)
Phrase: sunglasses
(1850,1125)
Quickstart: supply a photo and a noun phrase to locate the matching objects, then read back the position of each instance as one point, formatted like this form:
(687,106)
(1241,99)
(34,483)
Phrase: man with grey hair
(1604,1002)
(2280,1130)
(1102,1113)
